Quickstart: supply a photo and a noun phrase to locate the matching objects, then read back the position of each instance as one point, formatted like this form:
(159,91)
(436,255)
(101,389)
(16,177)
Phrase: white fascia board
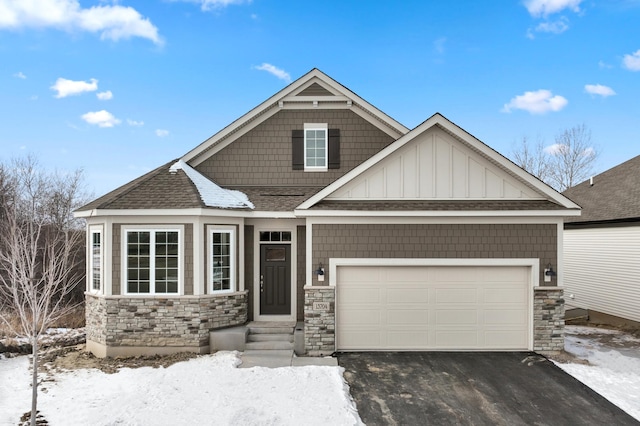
(433,213)
(477,145)
(260,112)
(534,263)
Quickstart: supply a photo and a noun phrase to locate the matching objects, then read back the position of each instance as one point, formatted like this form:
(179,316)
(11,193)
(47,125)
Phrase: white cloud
(538,102)
(161,133)
(559,148)
(216,4)
(544,8)
(271,69)
(135,123)
(20,75)
(112,22)
(604,65)
(66,87)
(101,118)
(599,89)
(632,61)
(104,96)
(555,27)
(439,44)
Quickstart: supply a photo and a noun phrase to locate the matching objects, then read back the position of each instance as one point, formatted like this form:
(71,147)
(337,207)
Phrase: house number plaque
(321,306)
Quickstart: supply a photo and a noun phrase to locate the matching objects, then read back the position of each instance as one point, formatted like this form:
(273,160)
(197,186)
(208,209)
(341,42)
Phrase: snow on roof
(212,195)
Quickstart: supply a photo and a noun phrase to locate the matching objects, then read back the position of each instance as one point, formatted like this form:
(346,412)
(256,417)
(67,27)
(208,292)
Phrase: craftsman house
(602,247)
(317,208)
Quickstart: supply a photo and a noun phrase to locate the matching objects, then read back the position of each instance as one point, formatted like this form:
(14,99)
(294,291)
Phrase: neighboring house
(317,207)
(602,247)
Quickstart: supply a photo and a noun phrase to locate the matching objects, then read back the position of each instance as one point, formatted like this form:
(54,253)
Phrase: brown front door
(275,279)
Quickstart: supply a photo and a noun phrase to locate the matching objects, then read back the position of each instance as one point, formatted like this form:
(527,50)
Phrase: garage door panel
(362,295)
(364,317)
(456,339)
(505,317)
(433,307)
(456,317)
(404,294)
(407,340)
(504,339)
(457,295)
(407,317)
(504,295)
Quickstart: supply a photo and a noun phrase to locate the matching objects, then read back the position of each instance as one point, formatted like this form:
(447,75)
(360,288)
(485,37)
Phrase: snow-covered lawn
(204,390)
(212,390)
(614,364)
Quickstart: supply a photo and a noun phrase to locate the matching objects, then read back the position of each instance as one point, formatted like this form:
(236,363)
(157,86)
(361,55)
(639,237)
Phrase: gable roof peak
(331,93)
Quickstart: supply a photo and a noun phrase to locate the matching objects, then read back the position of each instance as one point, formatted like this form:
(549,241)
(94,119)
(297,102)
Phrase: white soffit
(438,161)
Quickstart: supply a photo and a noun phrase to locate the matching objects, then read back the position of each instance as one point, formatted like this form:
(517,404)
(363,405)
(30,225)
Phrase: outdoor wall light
(320,272)
(549,273)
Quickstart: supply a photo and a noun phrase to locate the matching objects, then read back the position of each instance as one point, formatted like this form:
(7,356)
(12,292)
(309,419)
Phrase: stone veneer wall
(548,319)
(161,322)
(319,326)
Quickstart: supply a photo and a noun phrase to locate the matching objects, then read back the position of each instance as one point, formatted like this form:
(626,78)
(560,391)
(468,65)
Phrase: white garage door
(432,308)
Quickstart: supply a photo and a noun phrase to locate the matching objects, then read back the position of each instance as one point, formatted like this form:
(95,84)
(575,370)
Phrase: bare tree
(39,252)
(569,161)
(533,158)
(572,158)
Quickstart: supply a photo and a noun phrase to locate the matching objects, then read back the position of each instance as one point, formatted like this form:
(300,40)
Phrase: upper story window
(95,261)
(315,147)
(152,264)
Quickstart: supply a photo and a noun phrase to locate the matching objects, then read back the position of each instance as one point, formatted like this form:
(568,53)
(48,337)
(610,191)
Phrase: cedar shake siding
(263,156)
(435,241)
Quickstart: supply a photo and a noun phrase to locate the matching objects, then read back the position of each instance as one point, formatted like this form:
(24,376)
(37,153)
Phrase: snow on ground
(211,389)
(614,370)
(204,390)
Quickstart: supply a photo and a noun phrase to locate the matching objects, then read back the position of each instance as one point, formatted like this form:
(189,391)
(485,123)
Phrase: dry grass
(73,319)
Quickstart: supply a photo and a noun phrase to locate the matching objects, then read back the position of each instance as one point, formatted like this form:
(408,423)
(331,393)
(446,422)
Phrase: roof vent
(591,181)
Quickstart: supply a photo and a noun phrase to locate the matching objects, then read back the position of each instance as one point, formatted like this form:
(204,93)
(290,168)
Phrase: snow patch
(210,193)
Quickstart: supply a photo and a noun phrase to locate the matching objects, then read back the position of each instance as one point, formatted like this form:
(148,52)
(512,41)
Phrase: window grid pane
(96,266)
(155,251)
(315,147)
(222,260)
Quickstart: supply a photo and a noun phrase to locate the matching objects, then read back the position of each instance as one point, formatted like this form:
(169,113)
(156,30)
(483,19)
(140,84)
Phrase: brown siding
(300,270)
(188,259)
(248,267)
(263,155)
(436,241)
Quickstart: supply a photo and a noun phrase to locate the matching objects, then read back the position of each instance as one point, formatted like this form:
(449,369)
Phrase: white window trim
(325,128)
(234,258)
(152,282)
(90,288)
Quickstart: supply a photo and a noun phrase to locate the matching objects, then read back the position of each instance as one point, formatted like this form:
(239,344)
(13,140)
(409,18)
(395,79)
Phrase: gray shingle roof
(157,189)
(615,194)
(277,199)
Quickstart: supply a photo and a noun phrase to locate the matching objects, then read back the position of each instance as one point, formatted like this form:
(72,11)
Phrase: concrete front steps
(265,336)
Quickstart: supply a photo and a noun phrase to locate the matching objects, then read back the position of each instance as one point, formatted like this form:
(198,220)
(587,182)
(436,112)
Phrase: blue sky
(119,88)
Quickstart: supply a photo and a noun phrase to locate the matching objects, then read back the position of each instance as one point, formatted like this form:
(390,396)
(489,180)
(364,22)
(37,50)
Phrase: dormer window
(315,147)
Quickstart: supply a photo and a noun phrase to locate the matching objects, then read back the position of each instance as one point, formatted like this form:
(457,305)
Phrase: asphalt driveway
(485,388)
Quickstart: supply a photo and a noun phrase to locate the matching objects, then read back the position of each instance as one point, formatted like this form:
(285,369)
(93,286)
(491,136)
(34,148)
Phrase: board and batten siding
(602,270)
